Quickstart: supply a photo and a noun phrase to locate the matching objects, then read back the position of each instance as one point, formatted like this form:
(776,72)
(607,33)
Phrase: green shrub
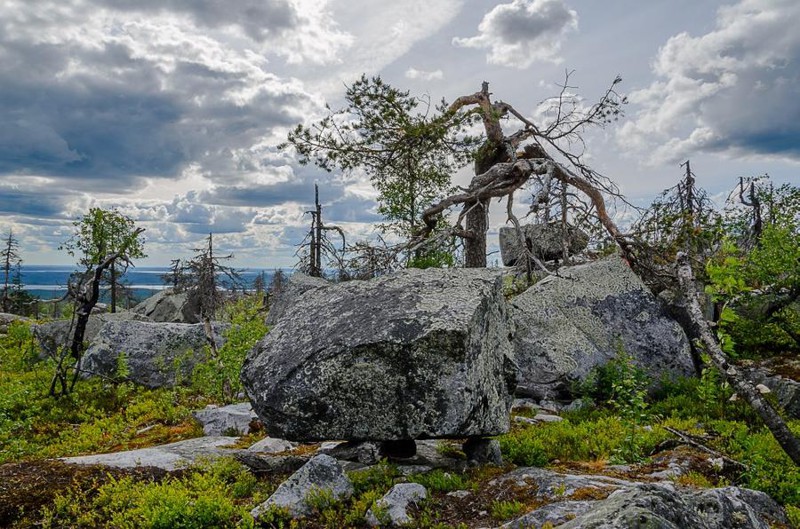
(440,481)
(504,510)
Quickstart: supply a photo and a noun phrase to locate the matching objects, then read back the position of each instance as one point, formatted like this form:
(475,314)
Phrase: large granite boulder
(54,335)
(156,354)
(569,325)
(169,306)
(412,355)
(290,292)
(545,241)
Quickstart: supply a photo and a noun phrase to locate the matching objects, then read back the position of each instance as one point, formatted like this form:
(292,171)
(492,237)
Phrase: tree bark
(477,223)
(701,332)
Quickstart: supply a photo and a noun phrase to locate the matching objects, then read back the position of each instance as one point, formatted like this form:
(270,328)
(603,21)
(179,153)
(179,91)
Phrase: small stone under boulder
(571,324)
(413,355)
(156,354)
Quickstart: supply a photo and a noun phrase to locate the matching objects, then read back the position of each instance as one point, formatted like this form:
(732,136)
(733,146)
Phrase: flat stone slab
(167,457)
(233,419)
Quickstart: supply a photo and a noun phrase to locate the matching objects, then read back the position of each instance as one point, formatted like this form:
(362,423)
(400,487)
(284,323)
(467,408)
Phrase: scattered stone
(524,404)
(460,494)
(321,475)
(233,419)
(412,355)
(392,509)
(156,354)
(569,325)
(364,452)
(544,240)
(538,418)
(480,450)
(272,445)
(168,306)
(786,390)
(283,301)
(553,485)
(575,405)
(167,457)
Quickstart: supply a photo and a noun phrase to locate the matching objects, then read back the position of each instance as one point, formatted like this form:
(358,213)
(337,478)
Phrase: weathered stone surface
(413,355)
(292,290)
(6,319)
(483,451)
(272,445)
(168,457)
(364,452)
(392,509)
(168,306)
(233,419)
(545,242)
(56,334)
(156,354)
(566,326)
(321,473)
(551,485)
(552,513)
(786,390)
(662,506)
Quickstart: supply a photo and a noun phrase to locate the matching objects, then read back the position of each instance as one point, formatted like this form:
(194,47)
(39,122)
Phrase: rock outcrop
(392,509)
(545,242)
(413,355)
(568,325)
(156,354)
(7,319)
(168,306)
(233,419)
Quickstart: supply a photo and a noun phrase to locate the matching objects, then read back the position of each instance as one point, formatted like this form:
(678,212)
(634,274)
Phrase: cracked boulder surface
(413,355)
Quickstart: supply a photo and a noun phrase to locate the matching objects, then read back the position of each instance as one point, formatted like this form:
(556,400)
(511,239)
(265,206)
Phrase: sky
(172,110)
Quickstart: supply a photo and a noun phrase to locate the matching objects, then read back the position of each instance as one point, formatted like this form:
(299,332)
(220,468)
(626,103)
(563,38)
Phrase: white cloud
(413,73)
(523,32)
(734,90)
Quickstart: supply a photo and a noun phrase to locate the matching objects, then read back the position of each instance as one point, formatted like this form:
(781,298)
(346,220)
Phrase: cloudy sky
(171,110)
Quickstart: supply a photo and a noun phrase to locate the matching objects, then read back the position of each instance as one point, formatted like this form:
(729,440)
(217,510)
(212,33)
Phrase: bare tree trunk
(477,222)
(700,330)
(113,288)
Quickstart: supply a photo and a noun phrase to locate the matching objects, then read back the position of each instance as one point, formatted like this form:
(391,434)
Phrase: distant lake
(50,281)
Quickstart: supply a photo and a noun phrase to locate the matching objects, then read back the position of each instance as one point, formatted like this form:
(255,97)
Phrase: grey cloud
(520,23)
(30,203)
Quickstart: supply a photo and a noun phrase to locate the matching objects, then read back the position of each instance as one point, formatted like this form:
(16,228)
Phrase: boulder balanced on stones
(156,354)
(569,325)
(545,242)
(169,306)
(413,355)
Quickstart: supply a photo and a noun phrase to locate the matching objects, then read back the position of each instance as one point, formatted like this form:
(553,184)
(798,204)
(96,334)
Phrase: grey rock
(156,354)
(412,355)
(168,457)
(551,485)
(662,506)
(786,390)
(54,335)
(272,445)
(545,242)
(168,306)
(233,419)
(567,326)
(483,451)
(364,452)
(293,289)
(6,320)
(392,509)
(321,473)
(553,513)
(460,494)
(524,404)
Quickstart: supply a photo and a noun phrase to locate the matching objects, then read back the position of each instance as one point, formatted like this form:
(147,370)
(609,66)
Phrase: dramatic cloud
(522,32)
(413,73)
(734,90)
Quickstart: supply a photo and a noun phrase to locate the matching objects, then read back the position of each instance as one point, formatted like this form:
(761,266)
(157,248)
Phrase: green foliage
(439,480)
(506,509)
(408,154)
(205,497)
(102,232)
(219,377)
(793,514)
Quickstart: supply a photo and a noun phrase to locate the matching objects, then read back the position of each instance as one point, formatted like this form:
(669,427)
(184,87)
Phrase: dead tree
(317,241)
(86,295)
(506,163)
(701,332)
